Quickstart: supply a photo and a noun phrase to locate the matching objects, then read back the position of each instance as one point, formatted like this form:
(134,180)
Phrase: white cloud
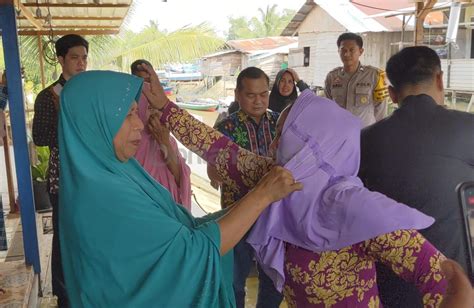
(175,14)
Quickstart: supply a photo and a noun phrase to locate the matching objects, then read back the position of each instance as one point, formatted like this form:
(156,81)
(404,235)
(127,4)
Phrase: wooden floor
(17,279)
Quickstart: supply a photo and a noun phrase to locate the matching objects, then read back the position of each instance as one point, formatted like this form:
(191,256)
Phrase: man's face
(253,98)
(74,62)
(350,52)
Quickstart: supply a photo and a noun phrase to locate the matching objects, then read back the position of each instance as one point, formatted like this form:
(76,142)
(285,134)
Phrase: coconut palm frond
(183,45)
(101,50)
(29,53)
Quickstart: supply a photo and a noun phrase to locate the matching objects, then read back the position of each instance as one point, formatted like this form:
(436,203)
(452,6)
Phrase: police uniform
(363,93)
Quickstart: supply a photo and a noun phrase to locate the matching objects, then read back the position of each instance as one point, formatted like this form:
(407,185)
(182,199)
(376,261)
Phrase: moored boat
(203,105)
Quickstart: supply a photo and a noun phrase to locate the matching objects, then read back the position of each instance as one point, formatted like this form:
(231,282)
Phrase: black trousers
(59,288)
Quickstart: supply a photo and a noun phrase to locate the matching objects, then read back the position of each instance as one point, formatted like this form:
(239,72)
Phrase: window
(306,56)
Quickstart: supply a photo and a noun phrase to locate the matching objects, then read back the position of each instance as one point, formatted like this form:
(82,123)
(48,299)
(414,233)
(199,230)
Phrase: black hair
(69,41)
(278,102)
(251,72)
(412,66)
(349,36)
(134,66)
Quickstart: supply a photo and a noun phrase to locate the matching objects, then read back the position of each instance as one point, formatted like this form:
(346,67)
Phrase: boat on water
(202,105)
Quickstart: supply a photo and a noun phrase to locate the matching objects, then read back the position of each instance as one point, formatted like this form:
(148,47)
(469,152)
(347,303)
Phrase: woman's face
(127,139)
(287,84)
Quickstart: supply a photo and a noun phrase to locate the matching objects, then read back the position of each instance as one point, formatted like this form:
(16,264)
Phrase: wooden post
(16,100)
(422,10)
(40,48)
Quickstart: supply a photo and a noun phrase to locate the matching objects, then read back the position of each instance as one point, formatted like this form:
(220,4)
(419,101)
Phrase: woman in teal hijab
(125,243)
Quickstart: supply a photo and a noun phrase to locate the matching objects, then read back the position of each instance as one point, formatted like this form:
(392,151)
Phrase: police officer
(361,89)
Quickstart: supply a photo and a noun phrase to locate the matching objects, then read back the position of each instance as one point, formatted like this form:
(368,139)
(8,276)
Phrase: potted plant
(39,173)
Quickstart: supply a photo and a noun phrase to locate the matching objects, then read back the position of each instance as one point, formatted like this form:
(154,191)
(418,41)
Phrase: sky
(175,14)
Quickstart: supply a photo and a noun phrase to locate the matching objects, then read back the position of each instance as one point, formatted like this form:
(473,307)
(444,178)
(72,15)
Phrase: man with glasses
(253,128)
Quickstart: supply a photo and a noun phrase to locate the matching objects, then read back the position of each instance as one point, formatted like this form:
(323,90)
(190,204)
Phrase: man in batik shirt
(253,128)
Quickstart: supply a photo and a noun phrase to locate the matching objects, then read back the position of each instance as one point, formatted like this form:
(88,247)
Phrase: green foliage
(29,54)
(117,52)
(39,171)
(270,22)
(159,47)
(99,52)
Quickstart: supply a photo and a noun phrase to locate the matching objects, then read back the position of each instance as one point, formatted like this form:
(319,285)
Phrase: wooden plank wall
(461,74)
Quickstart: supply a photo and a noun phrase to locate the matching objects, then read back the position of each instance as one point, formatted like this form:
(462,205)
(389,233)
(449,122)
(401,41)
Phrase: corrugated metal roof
(370,7)
(355,15)
(71,16)
(220,53)
(259,44)
(350,16)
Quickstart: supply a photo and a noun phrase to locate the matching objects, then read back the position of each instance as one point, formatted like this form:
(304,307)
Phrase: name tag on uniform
(362,93)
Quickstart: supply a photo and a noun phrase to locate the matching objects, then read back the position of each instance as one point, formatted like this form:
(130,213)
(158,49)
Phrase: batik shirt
(256,138)
(342,278)
(45,128)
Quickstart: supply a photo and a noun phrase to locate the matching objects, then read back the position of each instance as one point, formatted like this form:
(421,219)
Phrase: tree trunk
(422,10)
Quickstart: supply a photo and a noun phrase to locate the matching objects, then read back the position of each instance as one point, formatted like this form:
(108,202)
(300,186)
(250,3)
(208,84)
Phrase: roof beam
(79,18)
(64,32)
(73,5)
(75,27)
(28,15)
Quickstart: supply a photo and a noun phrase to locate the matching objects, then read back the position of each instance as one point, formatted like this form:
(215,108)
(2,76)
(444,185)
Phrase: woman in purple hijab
(321,247)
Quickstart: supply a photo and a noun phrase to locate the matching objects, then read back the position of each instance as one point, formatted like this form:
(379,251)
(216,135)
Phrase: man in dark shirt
(418,156)
(71,51)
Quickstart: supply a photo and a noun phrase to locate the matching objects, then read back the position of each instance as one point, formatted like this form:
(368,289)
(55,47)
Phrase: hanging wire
(18,12)
(49,53)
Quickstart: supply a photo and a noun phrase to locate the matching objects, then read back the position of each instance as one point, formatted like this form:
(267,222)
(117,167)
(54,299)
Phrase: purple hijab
(320,145)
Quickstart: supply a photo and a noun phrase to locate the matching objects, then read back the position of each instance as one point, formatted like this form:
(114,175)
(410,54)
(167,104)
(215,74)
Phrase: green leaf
(39,171)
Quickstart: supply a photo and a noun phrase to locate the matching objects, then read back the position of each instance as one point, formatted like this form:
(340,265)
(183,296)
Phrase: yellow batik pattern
(374,302)
(396,249)
(334,277)
(289,295)
(199,138)
(193,134)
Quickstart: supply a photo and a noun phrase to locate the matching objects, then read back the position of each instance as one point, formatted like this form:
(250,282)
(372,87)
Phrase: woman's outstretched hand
(155,93)
(277,184)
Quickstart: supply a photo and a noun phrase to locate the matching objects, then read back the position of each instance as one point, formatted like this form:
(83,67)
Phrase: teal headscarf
(124,241)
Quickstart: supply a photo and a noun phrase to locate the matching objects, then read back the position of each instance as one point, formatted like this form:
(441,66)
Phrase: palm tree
(117,52)
(269,23)
(99,48)
(160,47)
